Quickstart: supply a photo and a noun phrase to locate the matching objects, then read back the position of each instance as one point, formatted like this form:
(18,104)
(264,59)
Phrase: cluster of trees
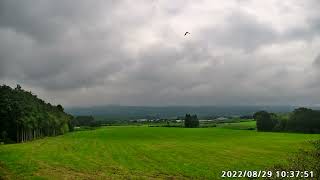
(300,120)
(23,116)
(246,117)
(86,121)
(191,121)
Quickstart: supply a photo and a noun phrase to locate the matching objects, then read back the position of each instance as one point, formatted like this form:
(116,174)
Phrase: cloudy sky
(239,52)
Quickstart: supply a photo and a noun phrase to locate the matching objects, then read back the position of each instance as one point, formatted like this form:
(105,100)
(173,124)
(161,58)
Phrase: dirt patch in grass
(58,173)
(5,173)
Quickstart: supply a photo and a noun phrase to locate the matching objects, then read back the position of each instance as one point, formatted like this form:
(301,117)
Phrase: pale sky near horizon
(239,52)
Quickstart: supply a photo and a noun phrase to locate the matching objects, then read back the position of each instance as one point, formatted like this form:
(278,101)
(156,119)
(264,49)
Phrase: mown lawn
(146,153)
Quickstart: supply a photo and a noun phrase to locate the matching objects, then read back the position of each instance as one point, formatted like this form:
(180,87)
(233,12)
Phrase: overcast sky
(239,52)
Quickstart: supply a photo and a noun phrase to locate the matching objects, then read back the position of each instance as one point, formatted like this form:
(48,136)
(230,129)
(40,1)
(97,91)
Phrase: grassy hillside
(122,152)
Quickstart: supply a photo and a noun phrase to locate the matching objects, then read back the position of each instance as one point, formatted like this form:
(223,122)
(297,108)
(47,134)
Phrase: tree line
(23,116)
(86,121)
(300,120)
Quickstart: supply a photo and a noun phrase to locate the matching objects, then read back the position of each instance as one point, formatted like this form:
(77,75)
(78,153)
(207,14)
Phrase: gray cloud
(121,52)
(240,30)
(316,62)
(48,20)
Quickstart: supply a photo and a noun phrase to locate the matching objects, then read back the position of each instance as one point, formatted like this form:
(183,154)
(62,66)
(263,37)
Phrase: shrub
(304,160)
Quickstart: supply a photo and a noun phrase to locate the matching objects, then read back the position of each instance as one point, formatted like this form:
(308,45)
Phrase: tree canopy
(265,121)
(191,121)
(23,116)
(300,120)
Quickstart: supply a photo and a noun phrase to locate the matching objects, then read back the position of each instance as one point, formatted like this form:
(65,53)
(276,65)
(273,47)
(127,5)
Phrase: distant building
(206,120)
(221,118)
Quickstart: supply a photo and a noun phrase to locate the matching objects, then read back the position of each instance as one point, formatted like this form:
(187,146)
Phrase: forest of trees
(300,120)
(23,116)
(191,121)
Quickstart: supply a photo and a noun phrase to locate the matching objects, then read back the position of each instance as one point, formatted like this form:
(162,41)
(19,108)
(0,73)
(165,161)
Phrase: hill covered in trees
(23,116)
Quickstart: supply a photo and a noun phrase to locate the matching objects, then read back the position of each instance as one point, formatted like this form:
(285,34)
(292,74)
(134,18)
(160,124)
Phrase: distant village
(204,119)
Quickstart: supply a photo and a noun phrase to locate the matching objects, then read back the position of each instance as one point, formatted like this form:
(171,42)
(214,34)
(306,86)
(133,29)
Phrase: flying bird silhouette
(186,33)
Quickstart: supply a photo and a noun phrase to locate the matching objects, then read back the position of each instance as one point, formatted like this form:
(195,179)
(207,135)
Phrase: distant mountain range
(174,111)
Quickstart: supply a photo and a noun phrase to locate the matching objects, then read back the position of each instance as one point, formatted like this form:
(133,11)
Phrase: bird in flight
(186,33)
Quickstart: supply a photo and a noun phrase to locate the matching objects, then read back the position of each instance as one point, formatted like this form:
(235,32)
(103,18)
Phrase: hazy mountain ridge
(171,111)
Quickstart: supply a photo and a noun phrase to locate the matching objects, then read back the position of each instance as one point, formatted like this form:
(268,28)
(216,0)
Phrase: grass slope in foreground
(121,152)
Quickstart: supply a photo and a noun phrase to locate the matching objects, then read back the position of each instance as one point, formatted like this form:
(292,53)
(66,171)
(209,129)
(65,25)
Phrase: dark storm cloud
(111,52)
(47,20)
(63,42)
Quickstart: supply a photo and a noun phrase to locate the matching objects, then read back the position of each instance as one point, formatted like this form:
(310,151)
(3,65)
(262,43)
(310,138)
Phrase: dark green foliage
(304,120)
(60,108)
(24,117)
(191,121)
(71,123)
(265,121)
(300,120)
(86,121)
(281,123)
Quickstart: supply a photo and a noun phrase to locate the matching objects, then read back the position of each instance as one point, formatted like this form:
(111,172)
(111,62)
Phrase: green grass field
(239,125)
(148,152)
